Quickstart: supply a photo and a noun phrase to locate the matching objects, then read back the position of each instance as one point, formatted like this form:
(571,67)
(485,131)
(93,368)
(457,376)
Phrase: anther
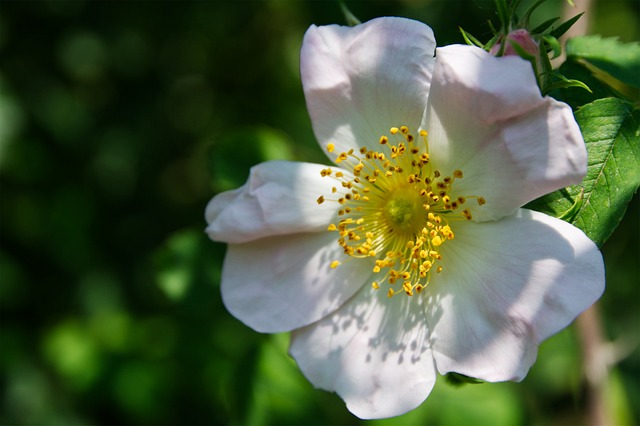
(408,210)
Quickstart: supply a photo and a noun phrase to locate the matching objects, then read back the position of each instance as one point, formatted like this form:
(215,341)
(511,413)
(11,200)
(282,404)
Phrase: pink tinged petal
(373,352)
(360,81)
(487,118)
(279,198)
(506,286)
(281,283)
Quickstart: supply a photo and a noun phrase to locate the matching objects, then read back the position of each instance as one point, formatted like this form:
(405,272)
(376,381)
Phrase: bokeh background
(119,120)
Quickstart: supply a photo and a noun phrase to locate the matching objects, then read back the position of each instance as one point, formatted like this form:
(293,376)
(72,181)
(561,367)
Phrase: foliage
(621,60)
(610,129)
(610,126)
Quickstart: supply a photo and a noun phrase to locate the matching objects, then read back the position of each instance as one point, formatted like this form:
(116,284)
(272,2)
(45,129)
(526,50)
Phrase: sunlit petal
(359,81)
(374,352)
(279,198)
(487,117)
(280,283)
(505,287)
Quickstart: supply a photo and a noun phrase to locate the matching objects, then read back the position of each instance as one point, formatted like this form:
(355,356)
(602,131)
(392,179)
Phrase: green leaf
(546,71)
(495,32)
(573,211)
(564,27)
(621,60)
(577,97)
(527,15)
(544,26)
(488,45)
(503,13)
(457,379)
(522,52)
(611,130)
(513,6)
(349,17)
(553,44)
(562,82)
(470,39)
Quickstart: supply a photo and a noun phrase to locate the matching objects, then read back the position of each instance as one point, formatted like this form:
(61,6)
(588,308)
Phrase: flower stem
(589,326)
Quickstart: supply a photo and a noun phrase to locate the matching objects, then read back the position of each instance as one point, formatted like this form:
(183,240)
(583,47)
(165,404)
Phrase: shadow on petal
(506,286)
(513,145)
(284,282)
(374,352)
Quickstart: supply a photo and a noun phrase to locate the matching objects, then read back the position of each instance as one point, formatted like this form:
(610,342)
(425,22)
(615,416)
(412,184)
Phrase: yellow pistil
(397,210)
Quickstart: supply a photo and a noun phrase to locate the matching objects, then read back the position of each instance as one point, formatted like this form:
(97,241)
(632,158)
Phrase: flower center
(396,210)
(403,210)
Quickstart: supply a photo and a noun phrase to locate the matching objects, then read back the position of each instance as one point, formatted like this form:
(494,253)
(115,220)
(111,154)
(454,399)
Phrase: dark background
(119,120)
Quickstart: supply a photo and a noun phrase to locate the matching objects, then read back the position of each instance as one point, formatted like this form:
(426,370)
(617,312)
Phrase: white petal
(279,198)
(505,287)
(373,352)
(360,81)
(280,283)
(487,118)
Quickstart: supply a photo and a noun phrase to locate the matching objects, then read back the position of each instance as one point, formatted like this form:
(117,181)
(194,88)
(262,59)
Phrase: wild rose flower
(412,254)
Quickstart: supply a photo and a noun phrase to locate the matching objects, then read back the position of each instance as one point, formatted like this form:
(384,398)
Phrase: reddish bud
(522,38)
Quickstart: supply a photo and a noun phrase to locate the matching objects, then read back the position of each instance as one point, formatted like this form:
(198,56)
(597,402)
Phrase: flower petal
(487,118)
(279,198)
(276,284)
(506,286)
(373,352)
(360,81)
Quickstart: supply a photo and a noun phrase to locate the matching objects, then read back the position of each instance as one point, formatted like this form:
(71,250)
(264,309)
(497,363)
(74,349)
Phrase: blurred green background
(118,122)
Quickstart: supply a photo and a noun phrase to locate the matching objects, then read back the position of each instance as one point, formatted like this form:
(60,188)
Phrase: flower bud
(523,39)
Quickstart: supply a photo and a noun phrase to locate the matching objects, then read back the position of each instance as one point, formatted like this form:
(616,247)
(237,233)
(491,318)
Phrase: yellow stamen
(397,211)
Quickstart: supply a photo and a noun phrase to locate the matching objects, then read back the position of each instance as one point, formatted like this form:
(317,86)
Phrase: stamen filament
(398,209)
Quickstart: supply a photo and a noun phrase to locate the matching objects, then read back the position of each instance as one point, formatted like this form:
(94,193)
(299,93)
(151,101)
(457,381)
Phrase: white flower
(434,157)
